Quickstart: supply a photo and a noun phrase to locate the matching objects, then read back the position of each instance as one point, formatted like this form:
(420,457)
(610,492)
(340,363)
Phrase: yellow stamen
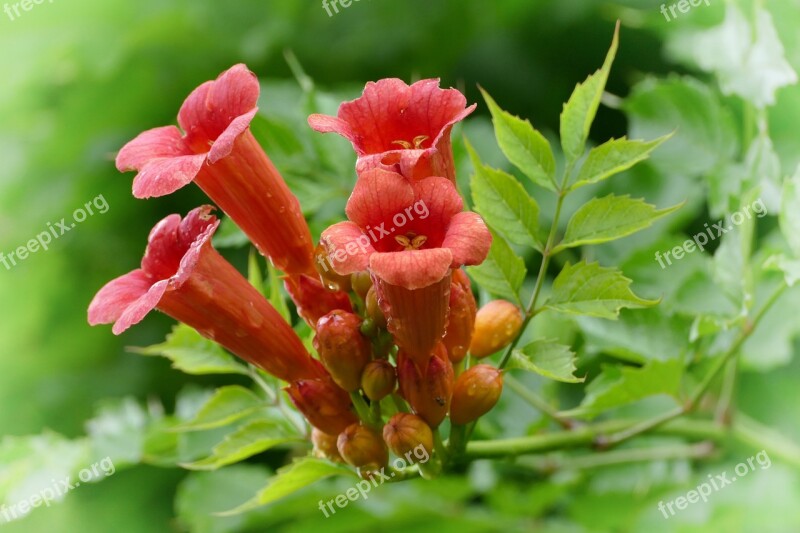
(415,242)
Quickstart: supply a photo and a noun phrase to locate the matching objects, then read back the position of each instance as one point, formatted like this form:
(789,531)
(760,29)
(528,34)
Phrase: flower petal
(441,197)
(112,300)
(329,124)
(213,106)
(139,309)
(223,146)
(160,177)
(154,144)
(377,197)
(347,247)
(468,239)
(412,269)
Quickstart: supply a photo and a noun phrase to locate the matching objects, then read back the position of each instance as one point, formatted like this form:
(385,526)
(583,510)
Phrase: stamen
(411,242)
(419,139)
(405,144)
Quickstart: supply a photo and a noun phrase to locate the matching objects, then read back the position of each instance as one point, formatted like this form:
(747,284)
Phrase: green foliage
(503,271)
(547,358)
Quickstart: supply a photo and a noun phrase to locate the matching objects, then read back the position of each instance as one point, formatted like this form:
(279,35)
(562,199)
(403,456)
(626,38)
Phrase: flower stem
(536,401)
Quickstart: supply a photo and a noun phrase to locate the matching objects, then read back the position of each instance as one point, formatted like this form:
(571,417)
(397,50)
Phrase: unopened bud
(378,380)
(405,432)
(325,405)
(330,279)
(374,310)
(475,393)
(427,388)
(325,445)
(343,349)
(362,447)
(462,317)
(496,325)
(361,282)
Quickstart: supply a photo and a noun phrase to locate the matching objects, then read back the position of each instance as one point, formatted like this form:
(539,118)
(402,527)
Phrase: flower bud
(404,433)
(325,445)
(378,380)
(462,317)
(374,310)
(496,325)
(330,279)
(343,349)
(325,406)
(427,388)
(361,283)
(362,447)
(475,393)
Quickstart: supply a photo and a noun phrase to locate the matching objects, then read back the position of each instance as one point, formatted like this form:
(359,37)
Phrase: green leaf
(276,297)
(617,386)
(254,275)
(503,271)
(589,289)
(609,218)
(119,430)
(748,59)
(229,235)
(504,204)
(613,157)
(705,134)
(251,439)
(523,145)
(227,405)
(790,212)
(289,479)
(547,358)
(193,354)
(789,267)
(581,108)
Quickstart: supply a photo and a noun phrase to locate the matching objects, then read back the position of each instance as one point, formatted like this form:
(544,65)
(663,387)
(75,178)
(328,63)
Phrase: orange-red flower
(400,127)
(219,153)
(409,236)
(184,277)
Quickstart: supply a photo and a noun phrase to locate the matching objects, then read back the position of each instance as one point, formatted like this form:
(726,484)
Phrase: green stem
(702,388)
(547,253)
(549,464)
(537,402)
(586,436)
(363,410)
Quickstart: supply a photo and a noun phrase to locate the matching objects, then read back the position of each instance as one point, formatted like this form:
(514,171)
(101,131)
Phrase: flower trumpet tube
(313,300)
(409,236)
(325,406)
(184,277)
(428,388)
(219,153)
(462,317)
(400,127)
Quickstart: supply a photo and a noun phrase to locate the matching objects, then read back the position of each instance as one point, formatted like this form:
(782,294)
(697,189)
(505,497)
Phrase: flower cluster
(391,316)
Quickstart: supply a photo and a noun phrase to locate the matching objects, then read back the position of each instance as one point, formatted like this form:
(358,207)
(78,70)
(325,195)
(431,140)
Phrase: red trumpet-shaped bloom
(409,235)
(184,277)
(219,153)
(400,127)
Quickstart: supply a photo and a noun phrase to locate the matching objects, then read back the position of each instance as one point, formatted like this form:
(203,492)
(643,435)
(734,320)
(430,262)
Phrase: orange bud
(475,393)
(362,447)
(428,388)
(496,325)
(343,349)
(361,282)
(325,445)
(405,432)
(378,380)
(325,406)
(327,275)
(374,310)
(462,317)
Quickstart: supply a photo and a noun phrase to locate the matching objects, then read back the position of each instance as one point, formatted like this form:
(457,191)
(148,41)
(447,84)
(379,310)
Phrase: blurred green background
(82,77)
